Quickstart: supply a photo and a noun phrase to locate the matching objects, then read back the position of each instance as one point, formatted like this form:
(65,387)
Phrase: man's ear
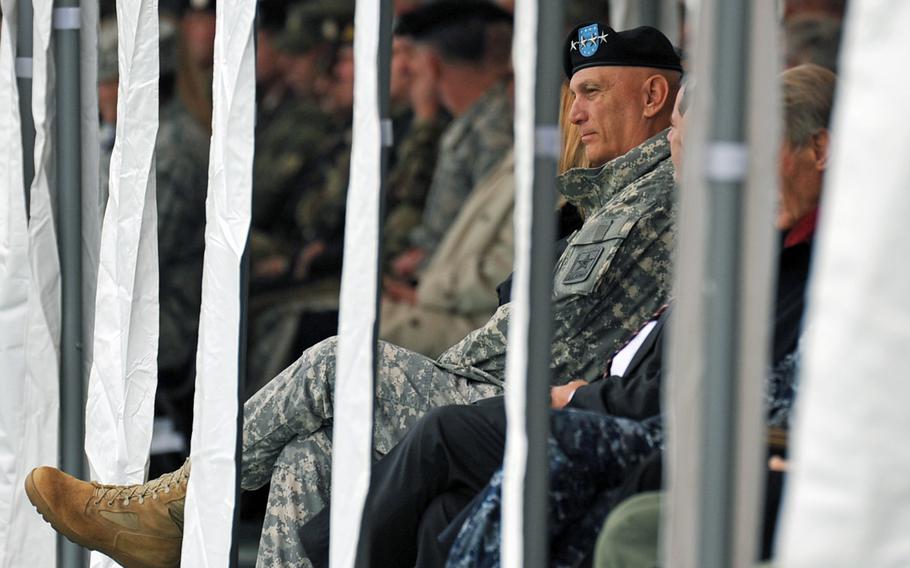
(655,95)
(821,147)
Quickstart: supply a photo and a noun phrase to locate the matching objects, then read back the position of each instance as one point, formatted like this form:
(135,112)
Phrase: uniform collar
(592,188)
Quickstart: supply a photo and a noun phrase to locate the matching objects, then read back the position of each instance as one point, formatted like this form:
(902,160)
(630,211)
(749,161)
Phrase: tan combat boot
(139,526)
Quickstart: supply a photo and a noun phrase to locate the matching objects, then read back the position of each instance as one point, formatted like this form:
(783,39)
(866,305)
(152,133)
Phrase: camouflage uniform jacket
(320,211)
(409,182)
(181,153)
(468,150)
(293,145)
(614,274)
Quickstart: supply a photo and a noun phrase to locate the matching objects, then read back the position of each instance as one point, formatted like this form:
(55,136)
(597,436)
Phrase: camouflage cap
(108,68)
(314,23)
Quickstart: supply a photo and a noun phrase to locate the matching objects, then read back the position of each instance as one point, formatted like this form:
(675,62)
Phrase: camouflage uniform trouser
(287,432)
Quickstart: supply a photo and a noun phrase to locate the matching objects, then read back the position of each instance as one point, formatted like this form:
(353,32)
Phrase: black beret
(595,44)
(428,18)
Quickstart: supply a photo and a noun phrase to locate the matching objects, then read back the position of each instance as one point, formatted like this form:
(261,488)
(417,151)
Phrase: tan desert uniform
(457,293)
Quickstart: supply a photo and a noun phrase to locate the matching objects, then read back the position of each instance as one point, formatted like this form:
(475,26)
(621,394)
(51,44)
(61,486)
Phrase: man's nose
(577,114)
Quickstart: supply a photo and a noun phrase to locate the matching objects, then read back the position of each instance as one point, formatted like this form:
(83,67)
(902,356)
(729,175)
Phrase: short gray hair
(808,96)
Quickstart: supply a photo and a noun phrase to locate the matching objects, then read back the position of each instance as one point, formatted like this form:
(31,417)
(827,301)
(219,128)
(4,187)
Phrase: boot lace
(150,489)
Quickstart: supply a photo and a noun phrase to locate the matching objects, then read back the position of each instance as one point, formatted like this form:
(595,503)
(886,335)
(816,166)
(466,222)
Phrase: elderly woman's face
(677,131)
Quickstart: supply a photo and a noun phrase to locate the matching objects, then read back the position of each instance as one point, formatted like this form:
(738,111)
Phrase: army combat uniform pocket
(590,254)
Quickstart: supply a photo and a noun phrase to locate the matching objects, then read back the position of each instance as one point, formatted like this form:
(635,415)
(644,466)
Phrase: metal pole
(24,81)
(540,318)
(649,13)
(242,357)
(726,140)
(69,199)
(383,66)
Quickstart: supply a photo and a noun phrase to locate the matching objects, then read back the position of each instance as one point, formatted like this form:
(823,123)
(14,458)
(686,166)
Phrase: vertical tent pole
(90,241)
(358,312)
(69,221)
(756,272)
(661,14)
(726,135)
(24,75)
(536,56)
(649,12)
(723,292)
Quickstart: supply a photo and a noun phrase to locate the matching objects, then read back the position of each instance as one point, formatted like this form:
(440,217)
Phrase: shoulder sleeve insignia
(584,263)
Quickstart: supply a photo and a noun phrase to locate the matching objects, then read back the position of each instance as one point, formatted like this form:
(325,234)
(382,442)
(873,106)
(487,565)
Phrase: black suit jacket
(636,394)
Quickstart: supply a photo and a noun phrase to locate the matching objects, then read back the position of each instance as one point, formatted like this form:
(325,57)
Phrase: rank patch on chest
(583,265)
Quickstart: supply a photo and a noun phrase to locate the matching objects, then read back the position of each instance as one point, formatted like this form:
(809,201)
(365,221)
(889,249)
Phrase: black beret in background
(430,17)
(595,45)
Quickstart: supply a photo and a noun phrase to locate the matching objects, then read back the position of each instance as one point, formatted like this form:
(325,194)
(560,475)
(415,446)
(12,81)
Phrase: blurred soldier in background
(466,46)
(419,121)
(197,33)
(296,138)
(298,246)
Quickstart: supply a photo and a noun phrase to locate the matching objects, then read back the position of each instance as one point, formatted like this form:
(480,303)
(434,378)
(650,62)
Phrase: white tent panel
(848,501)
(43,335)
(524,50)
(27,407)
(210,498)
(123,377)
(352,445)
(13,285)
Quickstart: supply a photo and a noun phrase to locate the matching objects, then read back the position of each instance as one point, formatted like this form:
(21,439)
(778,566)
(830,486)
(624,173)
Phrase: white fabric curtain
(123,377)
(356,360)
(848,500)
(29,308)
(209,513)
(14,278)
(524,59)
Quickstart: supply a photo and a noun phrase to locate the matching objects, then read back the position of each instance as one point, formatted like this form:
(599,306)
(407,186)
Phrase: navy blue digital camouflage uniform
(590,456)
